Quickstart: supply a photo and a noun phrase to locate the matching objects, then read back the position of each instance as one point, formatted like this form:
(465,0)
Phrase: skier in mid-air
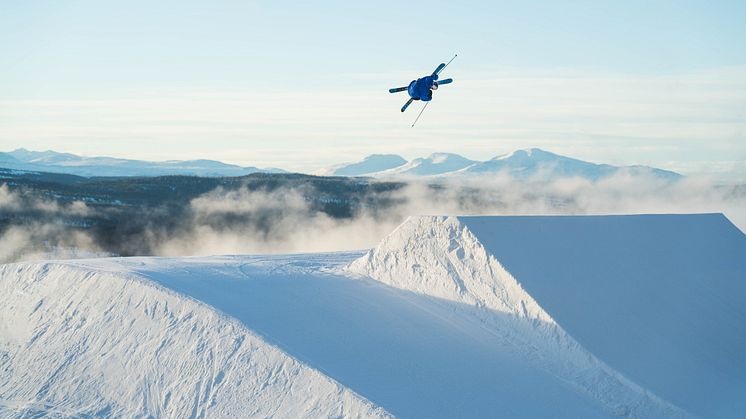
(423,88)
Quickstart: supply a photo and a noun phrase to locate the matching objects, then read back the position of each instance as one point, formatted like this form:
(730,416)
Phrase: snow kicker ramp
(660,299)
(638,316)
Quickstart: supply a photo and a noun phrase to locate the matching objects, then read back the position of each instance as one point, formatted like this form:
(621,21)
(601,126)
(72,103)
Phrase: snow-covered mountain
(587,316)
(537,163)
(371,164)
(533,163)
(43,157)
(52,161)
(433,165)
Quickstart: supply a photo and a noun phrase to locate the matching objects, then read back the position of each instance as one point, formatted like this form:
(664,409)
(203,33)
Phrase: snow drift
(600,316)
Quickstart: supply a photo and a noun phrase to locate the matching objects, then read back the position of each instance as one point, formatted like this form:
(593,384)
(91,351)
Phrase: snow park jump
(423,88)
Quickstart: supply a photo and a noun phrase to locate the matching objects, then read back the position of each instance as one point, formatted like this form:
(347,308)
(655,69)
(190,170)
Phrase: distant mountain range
(532,163)
(54,162)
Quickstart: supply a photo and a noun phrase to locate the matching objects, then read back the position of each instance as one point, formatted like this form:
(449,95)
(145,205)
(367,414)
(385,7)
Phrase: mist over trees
(45,215)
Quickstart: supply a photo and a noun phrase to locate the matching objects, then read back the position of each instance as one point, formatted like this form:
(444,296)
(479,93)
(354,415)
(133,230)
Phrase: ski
(442,66)
(397,89)
(406,105)
(439,69)
(446,81)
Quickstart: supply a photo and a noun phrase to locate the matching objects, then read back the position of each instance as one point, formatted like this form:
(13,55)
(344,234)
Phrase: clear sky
(301,85)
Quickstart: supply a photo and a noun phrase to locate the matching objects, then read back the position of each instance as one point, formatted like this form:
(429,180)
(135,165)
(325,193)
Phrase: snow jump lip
(659,298)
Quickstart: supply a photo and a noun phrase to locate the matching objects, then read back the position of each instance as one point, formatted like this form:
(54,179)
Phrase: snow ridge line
(440,257)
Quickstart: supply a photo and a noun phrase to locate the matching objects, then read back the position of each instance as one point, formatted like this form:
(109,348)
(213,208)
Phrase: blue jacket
(420,89)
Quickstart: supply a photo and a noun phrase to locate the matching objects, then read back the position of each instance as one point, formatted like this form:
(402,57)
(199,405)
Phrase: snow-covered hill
(637,316)
(54,162)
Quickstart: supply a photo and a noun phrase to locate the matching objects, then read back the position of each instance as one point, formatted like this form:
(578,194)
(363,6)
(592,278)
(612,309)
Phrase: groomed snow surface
(589,316)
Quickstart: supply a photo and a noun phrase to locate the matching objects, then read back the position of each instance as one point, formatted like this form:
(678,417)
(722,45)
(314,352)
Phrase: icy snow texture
(76,341)
(403,351)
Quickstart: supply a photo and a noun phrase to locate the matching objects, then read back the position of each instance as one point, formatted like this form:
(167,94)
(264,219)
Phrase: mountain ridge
(55,162)
(432,165)
(522,164)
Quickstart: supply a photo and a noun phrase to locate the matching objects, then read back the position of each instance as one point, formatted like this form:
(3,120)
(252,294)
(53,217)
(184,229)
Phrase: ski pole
(418,115)
(454,57)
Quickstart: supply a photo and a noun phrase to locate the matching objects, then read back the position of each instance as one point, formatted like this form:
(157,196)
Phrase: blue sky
(303,85)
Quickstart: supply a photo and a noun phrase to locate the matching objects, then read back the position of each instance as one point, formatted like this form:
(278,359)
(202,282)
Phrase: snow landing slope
(440,320)
(96,340)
